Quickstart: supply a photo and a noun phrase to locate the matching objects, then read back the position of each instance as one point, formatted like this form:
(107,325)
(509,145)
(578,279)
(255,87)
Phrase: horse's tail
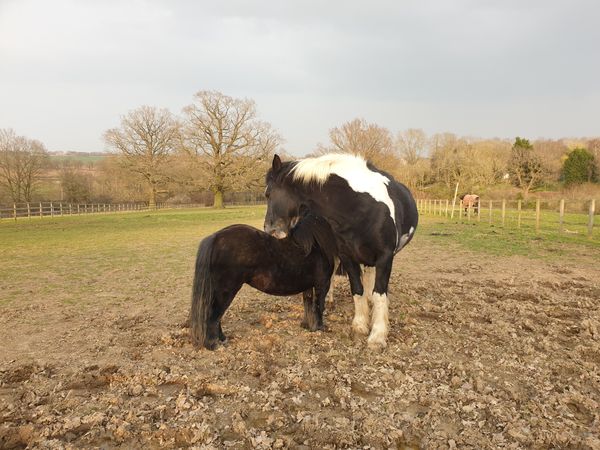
(202,292)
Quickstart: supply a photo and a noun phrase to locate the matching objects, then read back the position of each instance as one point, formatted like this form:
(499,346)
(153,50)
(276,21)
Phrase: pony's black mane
(313,230)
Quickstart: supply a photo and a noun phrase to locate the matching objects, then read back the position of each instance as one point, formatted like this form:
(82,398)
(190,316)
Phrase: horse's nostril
(279,234)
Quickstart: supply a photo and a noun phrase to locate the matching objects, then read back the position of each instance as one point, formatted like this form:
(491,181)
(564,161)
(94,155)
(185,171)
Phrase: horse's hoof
(360,328)
(376,343)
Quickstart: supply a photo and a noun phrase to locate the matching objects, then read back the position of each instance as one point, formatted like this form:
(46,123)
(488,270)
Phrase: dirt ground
(484,352)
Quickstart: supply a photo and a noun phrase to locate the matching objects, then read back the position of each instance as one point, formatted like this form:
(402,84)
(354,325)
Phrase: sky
(69,69)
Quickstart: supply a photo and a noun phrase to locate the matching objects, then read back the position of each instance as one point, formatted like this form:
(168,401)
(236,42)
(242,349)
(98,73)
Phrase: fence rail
(56,209)
(565,217)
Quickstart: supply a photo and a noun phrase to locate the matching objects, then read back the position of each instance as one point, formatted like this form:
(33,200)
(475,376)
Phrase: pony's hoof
(212,346)
(360,328)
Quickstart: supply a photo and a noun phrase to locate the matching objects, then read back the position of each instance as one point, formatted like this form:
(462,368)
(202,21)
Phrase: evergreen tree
(579,167)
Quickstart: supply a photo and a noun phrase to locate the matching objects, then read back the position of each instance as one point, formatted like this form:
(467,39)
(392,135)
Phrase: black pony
(372,217)
(241,254)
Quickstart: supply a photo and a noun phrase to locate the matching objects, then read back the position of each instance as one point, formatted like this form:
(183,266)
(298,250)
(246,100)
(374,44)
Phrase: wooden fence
(568,217)
(57,209)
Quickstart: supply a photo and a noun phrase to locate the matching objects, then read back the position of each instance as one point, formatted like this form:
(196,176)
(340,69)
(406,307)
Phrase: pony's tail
(202,293)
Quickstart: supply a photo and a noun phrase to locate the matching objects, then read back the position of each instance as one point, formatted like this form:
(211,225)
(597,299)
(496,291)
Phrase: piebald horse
(372,217)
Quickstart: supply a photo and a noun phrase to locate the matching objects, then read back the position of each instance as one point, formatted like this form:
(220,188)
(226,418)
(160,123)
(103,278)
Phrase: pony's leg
(311,319)
(321,293)
(222,336)
(360,323)
(222,301)
(380,324)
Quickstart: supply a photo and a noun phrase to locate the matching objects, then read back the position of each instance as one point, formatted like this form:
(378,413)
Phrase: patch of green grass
(112,256)
(137,257)
(508,240)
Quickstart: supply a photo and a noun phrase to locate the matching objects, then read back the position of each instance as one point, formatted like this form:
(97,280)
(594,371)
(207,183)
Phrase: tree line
(218,144)
(438,162)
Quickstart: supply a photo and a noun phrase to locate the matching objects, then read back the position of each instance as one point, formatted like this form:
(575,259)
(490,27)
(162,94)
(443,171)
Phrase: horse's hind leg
(379,329)
(360,323)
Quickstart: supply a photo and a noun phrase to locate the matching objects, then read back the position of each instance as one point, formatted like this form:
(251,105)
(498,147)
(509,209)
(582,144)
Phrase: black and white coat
(372,217)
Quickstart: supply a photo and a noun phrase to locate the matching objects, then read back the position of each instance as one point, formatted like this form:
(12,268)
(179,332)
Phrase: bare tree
(593,146)
(227,143)
(146,140)
(369,140)
(21,163)
(447,158)
(412,145)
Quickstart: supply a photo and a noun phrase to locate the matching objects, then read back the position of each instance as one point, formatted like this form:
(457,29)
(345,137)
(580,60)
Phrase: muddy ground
(484,352)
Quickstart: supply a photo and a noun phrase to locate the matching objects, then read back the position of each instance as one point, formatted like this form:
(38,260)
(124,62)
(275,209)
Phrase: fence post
(28,210)
(519,213)
(490,217)
(479,210)
(41,210)
(51,209)
(446,210)
(537,215)
(468,213)
(562,216)
(503,211)
(591,219)
(15,211)
(61,209)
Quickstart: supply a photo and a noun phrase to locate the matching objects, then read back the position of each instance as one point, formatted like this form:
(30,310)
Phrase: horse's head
(285,207)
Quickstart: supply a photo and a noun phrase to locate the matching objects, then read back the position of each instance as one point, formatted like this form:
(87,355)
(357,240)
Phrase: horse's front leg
(380,324)
(360,323)
(336,263)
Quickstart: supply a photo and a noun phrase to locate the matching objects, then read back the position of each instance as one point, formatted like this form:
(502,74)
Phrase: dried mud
(483,353)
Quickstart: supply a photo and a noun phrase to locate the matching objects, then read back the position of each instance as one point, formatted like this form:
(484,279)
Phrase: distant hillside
(82,157)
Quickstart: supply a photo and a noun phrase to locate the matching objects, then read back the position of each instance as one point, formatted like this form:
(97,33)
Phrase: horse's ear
(276,163)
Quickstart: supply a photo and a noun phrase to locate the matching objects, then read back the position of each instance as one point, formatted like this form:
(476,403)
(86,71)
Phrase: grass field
(63,258)
(494,342)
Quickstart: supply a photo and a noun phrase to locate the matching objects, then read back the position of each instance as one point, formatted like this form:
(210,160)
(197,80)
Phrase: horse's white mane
(319,168)
(353,168)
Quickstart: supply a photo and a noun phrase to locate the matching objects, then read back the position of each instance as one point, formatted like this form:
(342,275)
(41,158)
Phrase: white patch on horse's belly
(405,237)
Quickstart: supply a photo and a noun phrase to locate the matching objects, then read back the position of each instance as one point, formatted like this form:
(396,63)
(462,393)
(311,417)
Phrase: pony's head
(285,205)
